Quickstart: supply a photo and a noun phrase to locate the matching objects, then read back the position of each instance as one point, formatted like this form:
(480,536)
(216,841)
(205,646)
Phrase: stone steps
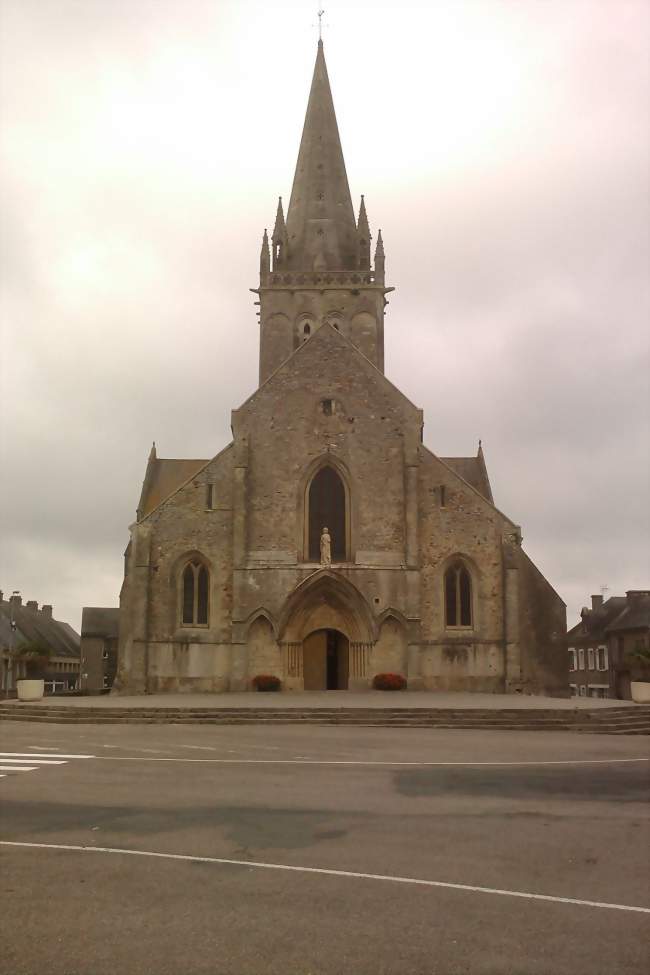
(628,721)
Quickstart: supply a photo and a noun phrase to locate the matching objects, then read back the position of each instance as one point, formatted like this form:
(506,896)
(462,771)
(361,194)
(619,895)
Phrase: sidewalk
(438,700)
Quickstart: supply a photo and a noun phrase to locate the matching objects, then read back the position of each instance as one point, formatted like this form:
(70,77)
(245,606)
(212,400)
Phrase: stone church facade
(223,574)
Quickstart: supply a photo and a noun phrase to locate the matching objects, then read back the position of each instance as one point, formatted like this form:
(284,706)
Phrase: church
(326,544)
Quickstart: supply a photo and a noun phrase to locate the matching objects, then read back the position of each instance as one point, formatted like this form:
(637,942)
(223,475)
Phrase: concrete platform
(307,700)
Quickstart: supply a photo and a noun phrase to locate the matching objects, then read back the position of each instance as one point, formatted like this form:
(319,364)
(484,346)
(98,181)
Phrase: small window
(327,405)
(209,494)
(105,654)
(583,690)
(443,496)
(306,331)
(458,596)
(574,690)
(106,682)
(603,662)
(590,658)
(572,659)
(581,659)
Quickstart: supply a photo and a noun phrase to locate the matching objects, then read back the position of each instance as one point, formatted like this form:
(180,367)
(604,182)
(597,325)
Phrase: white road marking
(4,755)
(32,758)
(351,874)
(18,768)
(396,764)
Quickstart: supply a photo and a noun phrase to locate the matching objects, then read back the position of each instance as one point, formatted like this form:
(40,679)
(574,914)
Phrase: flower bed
(389,682)
(266,682)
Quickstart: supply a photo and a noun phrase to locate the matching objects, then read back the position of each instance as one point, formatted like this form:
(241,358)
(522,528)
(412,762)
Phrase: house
(99,625)
(27,624)
(601,644)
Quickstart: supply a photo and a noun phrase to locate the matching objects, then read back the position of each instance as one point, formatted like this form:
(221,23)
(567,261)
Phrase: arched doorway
(326,661)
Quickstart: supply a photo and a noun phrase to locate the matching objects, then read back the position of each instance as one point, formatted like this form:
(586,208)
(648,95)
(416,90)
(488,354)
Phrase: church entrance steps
(627,721)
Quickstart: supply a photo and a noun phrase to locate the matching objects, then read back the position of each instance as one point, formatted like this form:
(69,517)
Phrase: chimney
(596,603)
(32,605)
(16,600)
(46,612)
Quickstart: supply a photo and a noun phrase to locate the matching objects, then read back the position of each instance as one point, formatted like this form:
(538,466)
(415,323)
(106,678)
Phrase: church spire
(265,259)
(320,220)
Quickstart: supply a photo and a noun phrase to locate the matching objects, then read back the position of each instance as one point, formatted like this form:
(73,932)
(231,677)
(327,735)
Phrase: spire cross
(320,24)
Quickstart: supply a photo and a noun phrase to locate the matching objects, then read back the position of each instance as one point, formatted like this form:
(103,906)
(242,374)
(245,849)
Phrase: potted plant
(266,682)
(35,657)
(640,684)
(389,682)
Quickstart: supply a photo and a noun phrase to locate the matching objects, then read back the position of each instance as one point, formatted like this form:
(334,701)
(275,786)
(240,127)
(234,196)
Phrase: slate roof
(595,621)
(635,616)
(32,626)
(472,470)
(162,478)
(100,621)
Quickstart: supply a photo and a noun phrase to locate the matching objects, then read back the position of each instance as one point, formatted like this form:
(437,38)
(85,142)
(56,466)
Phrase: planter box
(640,691)
(30,689)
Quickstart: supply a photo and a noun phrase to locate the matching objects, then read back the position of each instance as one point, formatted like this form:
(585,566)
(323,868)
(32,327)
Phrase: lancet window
(195,594)
(458,596)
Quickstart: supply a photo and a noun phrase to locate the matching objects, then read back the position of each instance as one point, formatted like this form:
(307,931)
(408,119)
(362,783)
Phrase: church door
(325,661)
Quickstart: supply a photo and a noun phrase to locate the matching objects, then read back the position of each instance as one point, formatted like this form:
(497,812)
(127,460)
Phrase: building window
(574,690)
(306,331)
(443,496)
(581,659)
(195,595)
(209,492)
(458,596)
(327,406)
(572,659)
(105,683)
(590,658)
(327,509)
(598,690)
(105,653)
(603,662)
(583,690)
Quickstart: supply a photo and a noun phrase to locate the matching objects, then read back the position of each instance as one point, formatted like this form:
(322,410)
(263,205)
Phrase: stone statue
(325,548)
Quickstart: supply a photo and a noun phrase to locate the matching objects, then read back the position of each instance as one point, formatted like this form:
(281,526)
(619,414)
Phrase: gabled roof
(33,627)
(100,621)
(635,615)
(327,332)
(163,476)
(594,621)
(472,470)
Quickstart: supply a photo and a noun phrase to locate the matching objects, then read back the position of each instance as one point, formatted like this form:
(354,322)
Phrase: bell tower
(318,267)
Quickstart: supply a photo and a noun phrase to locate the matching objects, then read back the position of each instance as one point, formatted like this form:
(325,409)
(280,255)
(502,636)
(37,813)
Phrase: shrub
(267,682)
(36,657)
(389,682)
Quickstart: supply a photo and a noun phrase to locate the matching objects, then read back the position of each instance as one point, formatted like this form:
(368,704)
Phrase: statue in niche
(325,547)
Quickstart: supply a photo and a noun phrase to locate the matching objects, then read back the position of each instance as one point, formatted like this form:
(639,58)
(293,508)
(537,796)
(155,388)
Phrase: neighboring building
(36,626)
(99,627)
(229,572)
(599,646)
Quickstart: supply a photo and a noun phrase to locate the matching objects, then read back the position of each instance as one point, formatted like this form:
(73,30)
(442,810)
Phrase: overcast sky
(503,150)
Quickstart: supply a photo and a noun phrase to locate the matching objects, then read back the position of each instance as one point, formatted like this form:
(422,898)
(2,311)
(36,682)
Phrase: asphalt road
(361,813)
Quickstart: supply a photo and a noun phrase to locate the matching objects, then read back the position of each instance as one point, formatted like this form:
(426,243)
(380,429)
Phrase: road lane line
(294,761)
(323,871)
(7,755)
(18,768)
(32,758)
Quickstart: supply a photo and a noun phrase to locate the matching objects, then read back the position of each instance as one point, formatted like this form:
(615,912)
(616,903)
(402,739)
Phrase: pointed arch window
(195,594)
(458,596)
(327,508)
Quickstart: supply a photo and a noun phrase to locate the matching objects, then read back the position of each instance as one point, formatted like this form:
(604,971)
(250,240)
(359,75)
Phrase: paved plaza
(185,850)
